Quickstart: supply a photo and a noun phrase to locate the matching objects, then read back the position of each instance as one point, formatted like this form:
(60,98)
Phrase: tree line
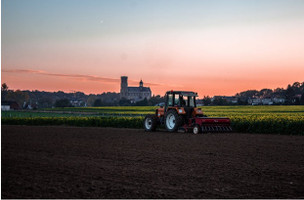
(292,95)
(42,99)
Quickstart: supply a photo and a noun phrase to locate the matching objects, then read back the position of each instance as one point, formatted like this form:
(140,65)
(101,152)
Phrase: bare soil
(71,162)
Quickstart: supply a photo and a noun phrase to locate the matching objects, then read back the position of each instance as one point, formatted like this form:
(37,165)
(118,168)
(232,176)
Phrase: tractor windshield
(177,99)
(192,101)
(184,99)
(170,99)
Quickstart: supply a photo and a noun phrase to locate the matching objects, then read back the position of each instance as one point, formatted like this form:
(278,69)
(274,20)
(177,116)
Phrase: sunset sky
(213,47)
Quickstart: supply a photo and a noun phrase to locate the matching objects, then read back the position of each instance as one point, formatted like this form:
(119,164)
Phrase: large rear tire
(173,121)
(150,123)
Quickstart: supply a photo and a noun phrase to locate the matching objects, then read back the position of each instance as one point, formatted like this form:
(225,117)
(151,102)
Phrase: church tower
(124,87)
(141,85)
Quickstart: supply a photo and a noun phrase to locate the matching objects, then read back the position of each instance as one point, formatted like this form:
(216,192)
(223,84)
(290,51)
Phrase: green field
(239,111)
(212,111)
(208,110)
(253,119)
(108,110)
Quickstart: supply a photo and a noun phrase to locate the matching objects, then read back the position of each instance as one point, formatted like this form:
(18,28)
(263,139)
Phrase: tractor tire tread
(179,120)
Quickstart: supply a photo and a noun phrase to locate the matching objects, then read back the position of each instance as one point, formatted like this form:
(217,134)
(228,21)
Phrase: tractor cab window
(170,99)
(184,101)
(176,99)
(191,101)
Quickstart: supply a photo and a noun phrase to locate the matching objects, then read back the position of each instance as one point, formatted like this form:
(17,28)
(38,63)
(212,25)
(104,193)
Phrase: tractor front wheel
(172,121)
(197,129)
(150,123)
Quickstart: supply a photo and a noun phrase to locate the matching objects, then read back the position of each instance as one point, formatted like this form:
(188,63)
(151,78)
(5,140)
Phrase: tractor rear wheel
(150,123)
(173,120)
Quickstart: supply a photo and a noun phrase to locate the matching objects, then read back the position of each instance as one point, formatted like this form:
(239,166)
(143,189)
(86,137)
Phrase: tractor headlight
(180,110)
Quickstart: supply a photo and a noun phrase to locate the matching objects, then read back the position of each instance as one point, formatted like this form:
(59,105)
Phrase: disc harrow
(210,128)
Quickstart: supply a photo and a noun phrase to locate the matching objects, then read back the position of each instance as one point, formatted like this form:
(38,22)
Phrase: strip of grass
(208,110)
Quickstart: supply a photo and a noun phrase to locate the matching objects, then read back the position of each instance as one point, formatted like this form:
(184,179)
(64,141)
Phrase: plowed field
(71,162)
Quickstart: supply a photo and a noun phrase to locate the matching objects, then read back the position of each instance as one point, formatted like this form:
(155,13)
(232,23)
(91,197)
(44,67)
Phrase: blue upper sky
(33,19)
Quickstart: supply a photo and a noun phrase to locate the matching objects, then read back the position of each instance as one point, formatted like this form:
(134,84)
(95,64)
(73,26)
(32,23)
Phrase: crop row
(208,110)
(252,124)
(292,125)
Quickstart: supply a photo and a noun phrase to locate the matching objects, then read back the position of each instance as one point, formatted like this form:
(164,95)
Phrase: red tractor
(180,112)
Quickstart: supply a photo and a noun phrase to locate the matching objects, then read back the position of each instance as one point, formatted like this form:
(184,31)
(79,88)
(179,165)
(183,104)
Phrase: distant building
(254,101)
(5,107)
(77,103)
(267,101)
(9,105)
(199,102)
(260,101)
(279,100)
(134,94)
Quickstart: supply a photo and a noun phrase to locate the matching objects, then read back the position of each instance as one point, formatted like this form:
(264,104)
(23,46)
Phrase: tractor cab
(184,102)
(180,99)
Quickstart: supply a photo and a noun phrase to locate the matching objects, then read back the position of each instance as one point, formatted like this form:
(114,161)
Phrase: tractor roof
(184,93)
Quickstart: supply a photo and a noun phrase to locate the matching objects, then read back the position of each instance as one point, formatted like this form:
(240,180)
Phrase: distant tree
(154,100)
(220,101)
(124,102)
(206,100)
(265,93)
(63,103)
(302,99)
(45,102)
(4,89)
(279,92)
(143,102)
(20,97)
(79,95)
(248,94)
(97,103)
(242,101)
(297,100)
(302,87)
(296,84)
(290,93)
(91,99)
(110,98)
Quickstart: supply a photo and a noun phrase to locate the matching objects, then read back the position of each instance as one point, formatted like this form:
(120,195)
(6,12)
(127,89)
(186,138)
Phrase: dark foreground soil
(70,162)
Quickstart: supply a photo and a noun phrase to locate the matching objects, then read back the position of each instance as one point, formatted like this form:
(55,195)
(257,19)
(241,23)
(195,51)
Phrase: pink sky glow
(213,53)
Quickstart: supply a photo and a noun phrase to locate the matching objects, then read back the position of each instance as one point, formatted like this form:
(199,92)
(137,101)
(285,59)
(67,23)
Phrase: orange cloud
(75,76)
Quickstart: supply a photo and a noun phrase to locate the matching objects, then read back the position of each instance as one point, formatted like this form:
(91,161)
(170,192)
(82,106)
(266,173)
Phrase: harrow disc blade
(216,129)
